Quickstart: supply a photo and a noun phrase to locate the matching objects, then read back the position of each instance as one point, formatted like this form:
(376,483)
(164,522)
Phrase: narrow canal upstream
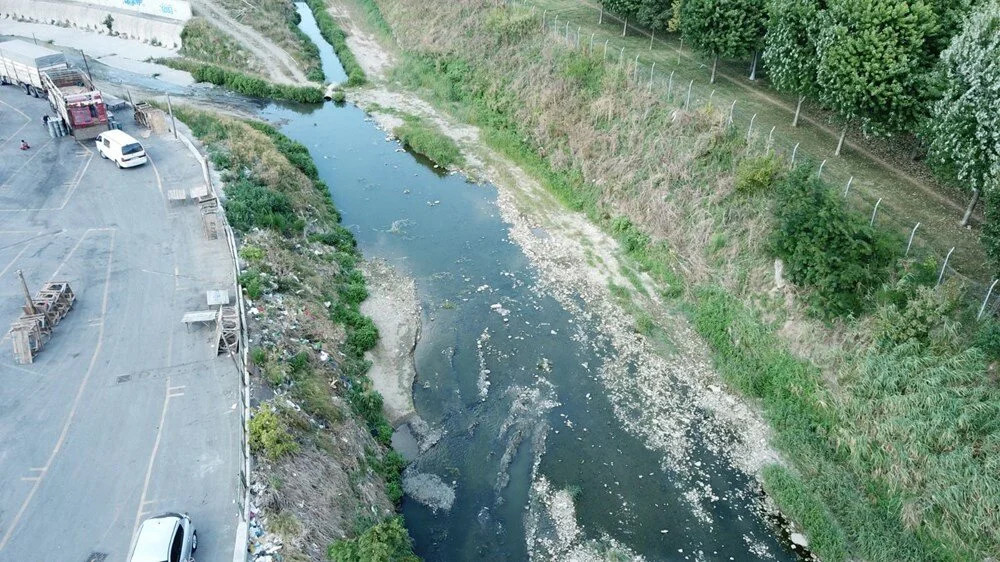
(510,378)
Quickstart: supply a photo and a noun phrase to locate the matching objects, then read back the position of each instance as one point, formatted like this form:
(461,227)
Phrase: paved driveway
(124,413)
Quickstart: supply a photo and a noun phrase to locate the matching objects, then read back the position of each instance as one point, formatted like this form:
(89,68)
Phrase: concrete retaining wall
(130,21)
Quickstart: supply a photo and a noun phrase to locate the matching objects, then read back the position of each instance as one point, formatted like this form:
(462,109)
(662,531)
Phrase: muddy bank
(392,305)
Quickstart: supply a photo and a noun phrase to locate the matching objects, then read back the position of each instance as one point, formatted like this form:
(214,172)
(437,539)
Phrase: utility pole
(173,124)
(29,306)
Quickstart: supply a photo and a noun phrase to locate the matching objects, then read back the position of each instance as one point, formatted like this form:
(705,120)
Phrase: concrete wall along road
(155,21)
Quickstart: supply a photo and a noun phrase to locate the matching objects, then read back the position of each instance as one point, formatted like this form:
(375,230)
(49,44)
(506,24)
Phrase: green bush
(250,281)
(633,239)
(386,542)
(337,39)
(390,468)
(424,138)
(252,254)
(269,434)
(251,205)
(826,247)
(924,315)
(585,70)
(756,175)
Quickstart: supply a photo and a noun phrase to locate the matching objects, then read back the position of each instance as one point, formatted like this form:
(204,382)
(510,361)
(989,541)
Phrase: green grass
(203,41)
(337,39)
(903,204)
(278,20)
(839,491)
(425,138)
(244,83)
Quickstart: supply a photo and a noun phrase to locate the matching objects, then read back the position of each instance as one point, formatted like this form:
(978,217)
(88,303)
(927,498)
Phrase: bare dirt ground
(284,68)
(392,304)
(374,60)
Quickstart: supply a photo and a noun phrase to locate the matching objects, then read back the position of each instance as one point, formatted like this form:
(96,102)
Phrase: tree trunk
(971,208)
(715,62)
(798,108)
(753,67)
(840,143)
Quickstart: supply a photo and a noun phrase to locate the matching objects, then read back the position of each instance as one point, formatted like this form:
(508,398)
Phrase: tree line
(930,68)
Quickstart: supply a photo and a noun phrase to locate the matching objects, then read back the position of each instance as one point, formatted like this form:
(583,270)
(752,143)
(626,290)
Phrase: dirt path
(283,67)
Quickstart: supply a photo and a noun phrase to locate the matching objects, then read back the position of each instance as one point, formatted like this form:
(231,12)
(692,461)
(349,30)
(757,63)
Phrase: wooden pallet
(227,330)
(33,328)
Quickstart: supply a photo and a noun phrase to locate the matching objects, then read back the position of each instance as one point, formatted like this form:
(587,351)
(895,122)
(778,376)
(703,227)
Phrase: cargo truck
(22,64)
(73,97)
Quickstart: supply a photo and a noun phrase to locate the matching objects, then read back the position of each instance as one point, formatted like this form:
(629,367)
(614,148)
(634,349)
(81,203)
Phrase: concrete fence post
(770,136)
(606,49)
(670,85)
(848,188)
(731,109)
(750,129)
(794,150)
(987,299)
(687,102)
(625,27)
(874,212)
(651,69)
(819,173)
(910,243)
(944,266)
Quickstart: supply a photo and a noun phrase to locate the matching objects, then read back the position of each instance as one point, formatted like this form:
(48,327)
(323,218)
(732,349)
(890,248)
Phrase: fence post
(731,109)
(578,28)
(555,23)
(600,19)
(635,69)
(567,32)
(987,299)
(819,174)
(606,49)
(794,150)
(652,34)
(687,102)
(874,211)
(770,136)
(621,55)
(651,68)
(544,13)
(848,188)
(944,265)
(625,27)
(750,128)
(910,243)
(670,86)
(592,42)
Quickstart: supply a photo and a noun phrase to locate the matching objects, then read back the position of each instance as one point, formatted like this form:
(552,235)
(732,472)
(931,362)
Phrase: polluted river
(533,434)
(544,426)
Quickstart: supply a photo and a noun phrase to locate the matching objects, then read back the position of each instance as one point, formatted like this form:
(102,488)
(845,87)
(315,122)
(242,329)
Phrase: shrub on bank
(826,247)
(269,435)
(424,138)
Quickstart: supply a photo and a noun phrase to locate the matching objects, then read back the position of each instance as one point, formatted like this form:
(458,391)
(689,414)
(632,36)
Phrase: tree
(655,14)
(963,134)
(726,28)
(109,22)
(874,60)
(790,48)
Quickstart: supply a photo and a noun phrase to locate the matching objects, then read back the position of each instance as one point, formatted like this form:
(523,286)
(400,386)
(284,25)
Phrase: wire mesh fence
(684,81)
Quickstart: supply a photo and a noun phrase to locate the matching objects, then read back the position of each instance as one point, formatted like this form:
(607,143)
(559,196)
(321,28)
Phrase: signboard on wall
(172,9)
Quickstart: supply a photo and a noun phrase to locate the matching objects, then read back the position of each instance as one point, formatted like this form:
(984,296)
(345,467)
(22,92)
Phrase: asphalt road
(125,413)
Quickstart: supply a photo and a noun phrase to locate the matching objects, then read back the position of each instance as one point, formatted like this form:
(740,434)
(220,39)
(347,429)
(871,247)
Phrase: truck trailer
(22,64)
(77,102)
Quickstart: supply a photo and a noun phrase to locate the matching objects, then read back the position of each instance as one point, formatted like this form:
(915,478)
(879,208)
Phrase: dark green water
(543,404)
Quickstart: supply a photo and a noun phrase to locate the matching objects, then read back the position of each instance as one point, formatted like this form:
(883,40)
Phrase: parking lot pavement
(125,413)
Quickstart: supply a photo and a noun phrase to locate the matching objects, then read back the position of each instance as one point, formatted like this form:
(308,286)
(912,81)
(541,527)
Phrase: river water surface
(510,376)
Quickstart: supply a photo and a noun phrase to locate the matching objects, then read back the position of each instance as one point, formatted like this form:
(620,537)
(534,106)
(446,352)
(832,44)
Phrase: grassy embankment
(325,430)
(885,409)
(903,204)
(337,39)
(244,83)
(200,40)
(278,21)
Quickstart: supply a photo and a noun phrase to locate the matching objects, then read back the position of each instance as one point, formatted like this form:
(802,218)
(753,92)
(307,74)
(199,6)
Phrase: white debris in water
(757,548)
(483,383)
(499,309)
(428,489)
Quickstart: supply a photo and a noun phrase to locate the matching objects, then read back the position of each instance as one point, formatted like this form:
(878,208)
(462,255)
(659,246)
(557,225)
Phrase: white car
(120,147)
(165,538)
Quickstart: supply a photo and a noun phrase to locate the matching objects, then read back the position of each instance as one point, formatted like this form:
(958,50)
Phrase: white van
(121,147)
